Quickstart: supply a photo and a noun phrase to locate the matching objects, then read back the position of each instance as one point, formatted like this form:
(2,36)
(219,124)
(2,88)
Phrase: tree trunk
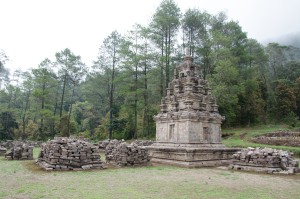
(54,112)
(169,55)
(166,61)
(24,115)
(136,96)
(62,95)
(112,94)
(162,69)
(145,112)
(43,107)
(70,111)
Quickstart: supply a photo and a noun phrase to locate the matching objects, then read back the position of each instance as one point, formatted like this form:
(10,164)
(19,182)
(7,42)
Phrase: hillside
(244,137)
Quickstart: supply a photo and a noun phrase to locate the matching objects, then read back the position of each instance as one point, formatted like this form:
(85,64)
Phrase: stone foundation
(191,157)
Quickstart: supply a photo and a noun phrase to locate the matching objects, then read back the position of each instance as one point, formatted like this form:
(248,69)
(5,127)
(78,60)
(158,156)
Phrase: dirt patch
(279,138)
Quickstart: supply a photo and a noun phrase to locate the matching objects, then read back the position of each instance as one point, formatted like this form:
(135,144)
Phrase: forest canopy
(118,95)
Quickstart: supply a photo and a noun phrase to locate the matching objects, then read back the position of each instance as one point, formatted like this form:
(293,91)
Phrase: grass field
(23,179)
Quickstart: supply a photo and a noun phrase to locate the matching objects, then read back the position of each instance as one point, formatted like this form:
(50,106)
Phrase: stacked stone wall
(124,154)
(20,151)
(69,154)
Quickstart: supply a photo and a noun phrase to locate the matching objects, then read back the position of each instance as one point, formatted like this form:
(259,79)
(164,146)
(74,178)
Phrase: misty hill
(290,44)
(292,39)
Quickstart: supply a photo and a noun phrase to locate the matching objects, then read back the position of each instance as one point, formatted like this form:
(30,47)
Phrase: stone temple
(188,127)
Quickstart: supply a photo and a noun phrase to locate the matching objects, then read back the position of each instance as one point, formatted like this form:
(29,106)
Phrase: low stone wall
(20,151)
(279,138)
(265,160)
(124,154)
(69,154)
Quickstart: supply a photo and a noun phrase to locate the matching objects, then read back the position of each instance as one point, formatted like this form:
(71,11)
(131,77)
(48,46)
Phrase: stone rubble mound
(20,151)
(69,154)
(8,144)
(2,150)
(124,154)
(265,160)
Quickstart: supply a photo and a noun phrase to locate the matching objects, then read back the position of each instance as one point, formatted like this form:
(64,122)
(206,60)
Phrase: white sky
(31,30)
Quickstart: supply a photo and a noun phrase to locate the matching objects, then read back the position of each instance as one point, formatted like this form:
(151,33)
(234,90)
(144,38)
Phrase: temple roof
(188,94)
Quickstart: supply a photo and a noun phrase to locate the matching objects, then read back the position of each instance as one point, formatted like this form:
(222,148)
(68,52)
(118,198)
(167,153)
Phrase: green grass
(36,151)
(20,179)
(23,179)
(241,137)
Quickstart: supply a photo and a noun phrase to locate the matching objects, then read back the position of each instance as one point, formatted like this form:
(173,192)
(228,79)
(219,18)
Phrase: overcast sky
(32,30)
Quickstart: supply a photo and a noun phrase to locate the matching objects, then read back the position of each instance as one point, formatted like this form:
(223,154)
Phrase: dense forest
(117,96)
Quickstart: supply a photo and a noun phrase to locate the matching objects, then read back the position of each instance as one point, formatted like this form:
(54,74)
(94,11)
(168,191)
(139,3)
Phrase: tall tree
(7,125)
(286,99)
(66,61)
(196,27)
(165,23)
(44,88)
(27,88)
(76,74)
(108,62)
(276,58)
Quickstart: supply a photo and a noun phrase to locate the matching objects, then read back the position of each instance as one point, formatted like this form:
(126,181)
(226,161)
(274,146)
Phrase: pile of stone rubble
(8,144)
(124,154)
(69,154)
(265,160)
(2,150)
(20,151)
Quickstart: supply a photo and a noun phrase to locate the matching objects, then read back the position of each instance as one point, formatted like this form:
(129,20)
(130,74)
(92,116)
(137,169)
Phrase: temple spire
(187,55)
(187,51)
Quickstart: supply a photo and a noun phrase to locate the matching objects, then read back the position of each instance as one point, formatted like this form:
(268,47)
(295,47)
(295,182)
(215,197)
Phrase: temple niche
(188,127)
